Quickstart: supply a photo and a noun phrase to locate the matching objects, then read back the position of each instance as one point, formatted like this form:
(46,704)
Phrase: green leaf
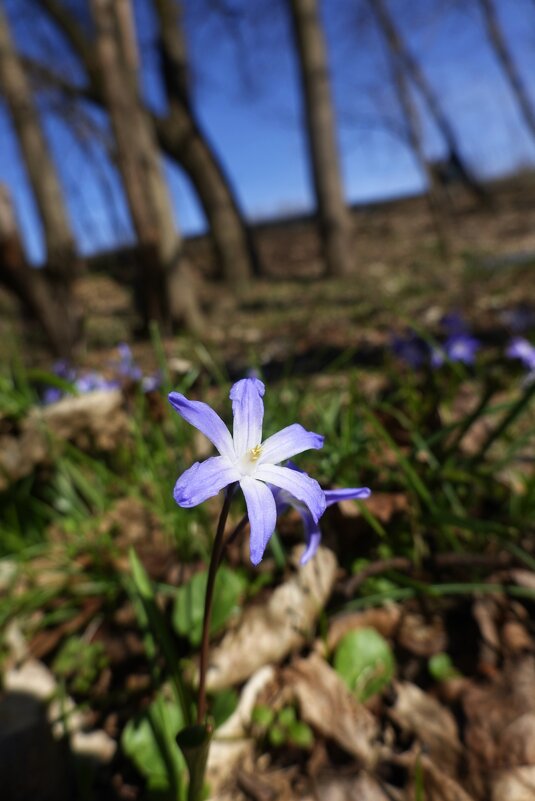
(365,661)
(188,611)
(300,734)
(160,632)
(286,716)
(441,667)
(222,705)
(262,716)
(149,741)
(277,736)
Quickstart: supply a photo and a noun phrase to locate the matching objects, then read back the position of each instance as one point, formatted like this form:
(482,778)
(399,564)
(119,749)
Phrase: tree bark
(411,66)
(61,253)
(29,285)
(139,164)
(333,215)
(181,136)
(504,57)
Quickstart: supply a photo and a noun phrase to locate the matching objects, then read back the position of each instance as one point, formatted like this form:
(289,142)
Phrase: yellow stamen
(255,452)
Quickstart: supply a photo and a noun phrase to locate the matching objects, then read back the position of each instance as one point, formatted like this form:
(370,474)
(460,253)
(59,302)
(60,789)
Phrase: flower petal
(312,537)
(300,485)
(204,418)
(356,494)
(248,408)
(204,480)
(288,442)
(262,515)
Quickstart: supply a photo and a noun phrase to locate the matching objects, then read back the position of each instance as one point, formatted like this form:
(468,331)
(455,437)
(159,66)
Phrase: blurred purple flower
(284,499)
(246,460)
(63,370)
(520,348)
(519,318)
(51,395)
(92,381)
(411,349)
(150,383)
(127,368)
(453,324)
(458,348)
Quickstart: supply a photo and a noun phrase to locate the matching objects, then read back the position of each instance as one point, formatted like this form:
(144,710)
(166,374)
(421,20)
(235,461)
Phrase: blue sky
(247,96)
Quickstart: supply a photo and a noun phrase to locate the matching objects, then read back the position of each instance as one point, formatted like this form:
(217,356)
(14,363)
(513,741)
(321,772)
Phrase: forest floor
(399,663)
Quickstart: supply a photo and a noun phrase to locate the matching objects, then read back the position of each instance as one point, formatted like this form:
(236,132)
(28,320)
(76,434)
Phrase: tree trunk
(409,63)
(139,164)
(181,136)
(30,286)
(504,57)
(333,215)
(61,253)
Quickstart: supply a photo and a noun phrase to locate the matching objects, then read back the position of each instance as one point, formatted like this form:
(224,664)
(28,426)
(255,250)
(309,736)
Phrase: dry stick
(215,559)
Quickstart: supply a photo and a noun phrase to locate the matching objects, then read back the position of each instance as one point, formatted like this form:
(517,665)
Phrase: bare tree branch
(179,135)
(513,76)
(410,65)
(333,215)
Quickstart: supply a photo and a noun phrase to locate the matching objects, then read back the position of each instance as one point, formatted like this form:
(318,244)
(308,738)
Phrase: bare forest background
(122,79)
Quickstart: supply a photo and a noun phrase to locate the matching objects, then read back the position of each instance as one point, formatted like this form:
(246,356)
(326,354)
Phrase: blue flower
(411,349)
(92,381)
(520,318)
(457,348)
(51,395)
(127,368)
(150,383)
(520,348)
(453,324)
(284,499)
(245,459)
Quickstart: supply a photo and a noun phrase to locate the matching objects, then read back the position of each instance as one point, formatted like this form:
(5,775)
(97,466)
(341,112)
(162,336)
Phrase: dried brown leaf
(231,745)
(267,634)
(384,620)
(362,788)
(329,707)
(421,715)
(517,784)
(439,786)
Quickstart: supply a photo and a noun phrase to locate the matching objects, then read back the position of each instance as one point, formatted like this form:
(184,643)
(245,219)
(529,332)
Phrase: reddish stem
(215,559)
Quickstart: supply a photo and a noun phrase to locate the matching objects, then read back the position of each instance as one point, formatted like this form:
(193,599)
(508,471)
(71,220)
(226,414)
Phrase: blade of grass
(161,634)
(413,479)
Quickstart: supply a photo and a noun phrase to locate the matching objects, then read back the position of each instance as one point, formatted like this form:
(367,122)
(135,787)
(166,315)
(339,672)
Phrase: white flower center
(247,464)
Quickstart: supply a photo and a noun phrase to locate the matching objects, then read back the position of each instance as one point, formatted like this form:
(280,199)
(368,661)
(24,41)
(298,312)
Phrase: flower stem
(238,530)
(215,559)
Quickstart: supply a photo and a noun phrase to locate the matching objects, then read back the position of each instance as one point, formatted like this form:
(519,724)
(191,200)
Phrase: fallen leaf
(266,634)
(517,784)
(434,726)
(421,636)
(232,744)
(362,788)
(330,708)
(439,786)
